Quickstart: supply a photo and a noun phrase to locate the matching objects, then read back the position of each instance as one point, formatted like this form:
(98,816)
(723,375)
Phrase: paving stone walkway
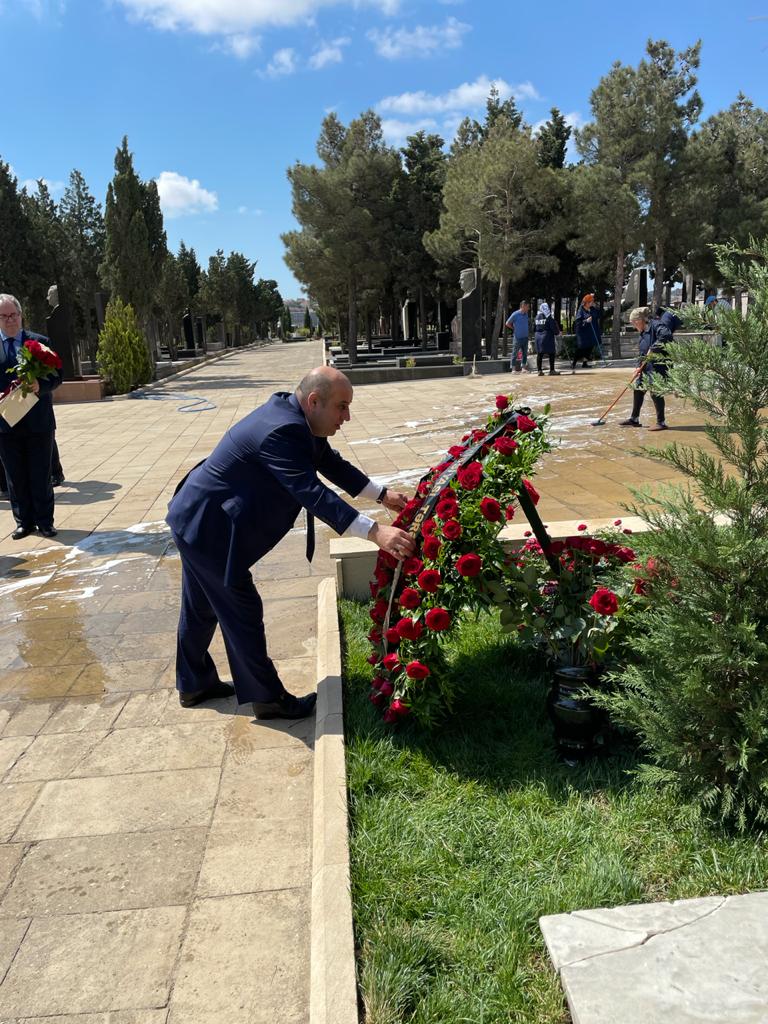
(154,861)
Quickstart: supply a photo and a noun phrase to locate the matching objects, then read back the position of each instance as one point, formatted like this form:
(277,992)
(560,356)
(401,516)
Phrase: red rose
(392,636)
(509,513)
(533,494)
(525,424)
(428,527)
(640,586)
(377,682)
(469,564)
(408,629)
(416,670)
(491,510)
(391,662)
(379,611)
(604,601)
(501,402)
(443,465)
(556,548)
(412,566)
(457,450)
(437,619)
(373,658)
(625,554)
(385,559)
(386,689)
(375,635)
(617,522)
(505,445)
(527,533)
(628,532)
(478,434)
(430,580)
(581,526)
(423,489)
(410,598)
(431,547)
(451,530)
(376,698)
(396,710)
(469,476)
(447,509)
(382,576)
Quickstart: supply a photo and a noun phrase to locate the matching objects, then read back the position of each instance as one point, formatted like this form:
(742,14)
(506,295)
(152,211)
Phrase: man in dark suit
(26,449)
(235,506)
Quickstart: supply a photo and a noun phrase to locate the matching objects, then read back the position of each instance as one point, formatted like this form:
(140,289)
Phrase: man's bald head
(325,395)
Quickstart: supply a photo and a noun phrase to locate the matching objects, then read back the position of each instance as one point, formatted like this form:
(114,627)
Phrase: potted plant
(576,617)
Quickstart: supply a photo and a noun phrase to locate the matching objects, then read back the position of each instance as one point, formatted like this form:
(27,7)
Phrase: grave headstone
(58,327)
(469,314)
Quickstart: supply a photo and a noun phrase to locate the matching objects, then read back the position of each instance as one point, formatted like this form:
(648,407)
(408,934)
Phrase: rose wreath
(35,361)
(456,516)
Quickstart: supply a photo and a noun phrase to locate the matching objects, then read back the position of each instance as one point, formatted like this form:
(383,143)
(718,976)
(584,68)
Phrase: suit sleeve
(48,384)
(287,454)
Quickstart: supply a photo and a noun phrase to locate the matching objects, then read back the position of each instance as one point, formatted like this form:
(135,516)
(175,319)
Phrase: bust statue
(53,296)
(58,327)
(467,281)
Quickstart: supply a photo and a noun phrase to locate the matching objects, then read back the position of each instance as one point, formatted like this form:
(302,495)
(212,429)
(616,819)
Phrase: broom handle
(621,394)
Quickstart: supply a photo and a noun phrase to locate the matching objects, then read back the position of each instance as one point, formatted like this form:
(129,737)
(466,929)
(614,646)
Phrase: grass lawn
(461,840)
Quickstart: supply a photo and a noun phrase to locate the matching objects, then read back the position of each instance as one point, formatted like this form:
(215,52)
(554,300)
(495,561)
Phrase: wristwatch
(382,496)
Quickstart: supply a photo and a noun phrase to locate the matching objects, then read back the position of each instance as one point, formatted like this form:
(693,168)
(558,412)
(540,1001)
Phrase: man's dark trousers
(27,462)
(206,602)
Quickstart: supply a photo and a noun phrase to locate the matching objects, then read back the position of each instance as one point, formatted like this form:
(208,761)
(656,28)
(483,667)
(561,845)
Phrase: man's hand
(395,501)
(35,387)
(390,538)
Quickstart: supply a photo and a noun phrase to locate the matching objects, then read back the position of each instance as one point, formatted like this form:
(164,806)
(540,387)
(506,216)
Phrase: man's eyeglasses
(9,316)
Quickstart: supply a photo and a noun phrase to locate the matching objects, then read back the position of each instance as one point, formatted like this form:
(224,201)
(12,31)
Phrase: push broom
(600,421)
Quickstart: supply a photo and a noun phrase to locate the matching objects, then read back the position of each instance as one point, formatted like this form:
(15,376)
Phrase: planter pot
(579,726)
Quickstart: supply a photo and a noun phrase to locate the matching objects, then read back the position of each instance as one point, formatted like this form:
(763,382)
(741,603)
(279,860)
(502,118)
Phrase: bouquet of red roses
(36,361)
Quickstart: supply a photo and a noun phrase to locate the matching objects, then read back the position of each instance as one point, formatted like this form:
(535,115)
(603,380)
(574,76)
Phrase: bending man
(234,507)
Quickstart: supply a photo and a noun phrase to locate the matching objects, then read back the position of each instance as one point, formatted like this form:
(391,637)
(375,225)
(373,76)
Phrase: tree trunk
(352,320)
(618,288)
(658,275)
(369,330)
(423,317)
(498,322)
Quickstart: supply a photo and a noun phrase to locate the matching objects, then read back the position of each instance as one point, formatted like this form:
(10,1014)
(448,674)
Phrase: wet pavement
(155,861)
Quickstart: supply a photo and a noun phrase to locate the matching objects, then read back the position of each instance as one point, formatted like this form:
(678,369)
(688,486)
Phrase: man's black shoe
(189,698)
(48,531)
(21,532)
(286,706)
(630,423)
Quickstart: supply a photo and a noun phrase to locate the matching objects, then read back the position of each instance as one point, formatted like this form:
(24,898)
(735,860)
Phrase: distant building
(297,307)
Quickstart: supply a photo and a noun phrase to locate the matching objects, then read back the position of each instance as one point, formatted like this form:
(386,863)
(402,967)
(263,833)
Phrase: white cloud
(30,185)
(180,196)
(420,41)
(283,63)
(240,45)
(233,17)
(396,132)
(246,211)
(466,97)
(329,53)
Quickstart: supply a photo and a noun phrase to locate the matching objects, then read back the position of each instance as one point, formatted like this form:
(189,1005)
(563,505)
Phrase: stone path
(155,862)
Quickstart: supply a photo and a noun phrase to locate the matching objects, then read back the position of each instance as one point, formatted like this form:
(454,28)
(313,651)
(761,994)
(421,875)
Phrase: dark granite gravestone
(186,324)
(469,314)
(58,327)
(200,332)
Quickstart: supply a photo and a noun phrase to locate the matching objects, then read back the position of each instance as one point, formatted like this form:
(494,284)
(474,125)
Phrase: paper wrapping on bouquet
(15,406)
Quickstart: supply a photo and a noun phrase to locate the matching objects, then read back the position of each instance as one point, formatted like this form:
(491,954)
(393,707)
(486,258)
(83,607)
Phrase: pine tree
(694,689)
(553,140)
(193,273)
(17,259)
(83,227)
(172,299)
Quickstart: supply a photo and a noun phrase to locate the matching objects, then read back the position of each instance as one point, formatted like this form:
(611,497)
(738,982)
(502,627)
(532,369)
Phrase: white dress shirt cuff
(360,526)
(371,490)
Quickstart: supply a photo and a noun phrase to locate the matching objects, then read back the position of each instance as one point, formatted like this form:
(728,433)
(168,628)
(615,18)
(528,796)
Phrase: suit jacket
(39,419)
(236,505)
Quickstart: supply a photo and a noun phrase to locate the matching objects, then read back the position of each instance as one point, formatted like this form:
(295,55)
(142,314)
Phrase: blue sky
(219,97)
